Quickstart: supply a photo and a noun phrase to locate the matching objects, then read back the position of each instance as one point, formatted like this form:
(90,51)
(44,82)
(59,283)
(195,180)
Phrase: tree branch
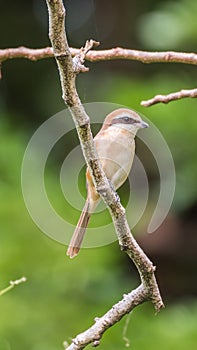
(110,54)
(117,53)
(25,52)
(12,285)
(95,332)
(170,97)
(68,69)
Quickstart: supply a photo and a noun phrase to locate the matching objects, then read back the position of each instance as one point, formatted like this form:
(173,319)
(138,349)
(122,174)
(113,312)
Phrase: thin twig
(12,285)
(148,290)
(125,329)
(79,59)
(170,97)
(117,53)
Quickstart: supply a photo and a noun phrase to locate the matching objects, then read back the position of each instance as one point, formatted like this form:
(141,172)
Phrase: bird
(115,146)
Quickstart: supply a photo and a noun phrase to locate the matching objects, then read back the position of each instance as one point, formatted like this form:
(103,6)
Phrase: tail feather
(79,232)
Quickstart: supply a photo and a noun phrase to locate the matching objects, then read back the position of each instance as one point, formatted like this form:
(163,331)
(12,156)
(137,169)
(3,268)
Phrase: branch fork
(79,59)
(68,70)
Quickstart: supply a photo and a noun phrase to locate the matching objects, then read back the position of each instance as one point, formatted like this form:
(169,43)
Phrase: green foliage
(171,25)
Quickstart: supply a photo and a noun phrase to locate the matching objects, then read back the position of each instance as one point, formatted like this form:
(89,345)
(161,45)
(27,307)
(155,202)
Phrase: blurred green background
(62,297)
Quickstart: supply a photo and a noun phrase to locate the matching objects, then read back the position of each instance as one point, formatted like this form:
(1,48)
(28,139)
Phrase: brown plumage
(115,145)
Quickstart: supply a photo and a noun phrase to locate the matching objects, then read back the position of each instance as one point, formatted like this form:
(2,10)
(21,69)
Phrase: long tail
(79,232)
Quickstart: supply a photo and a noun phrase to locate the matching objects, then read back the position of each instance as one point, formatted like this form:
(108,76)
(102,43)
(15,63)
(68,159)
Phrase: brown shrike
(115,146)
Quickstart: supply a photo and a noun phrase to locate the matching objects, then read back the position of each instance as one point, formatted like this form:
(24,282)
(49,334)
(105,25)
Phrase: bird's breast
(116,150)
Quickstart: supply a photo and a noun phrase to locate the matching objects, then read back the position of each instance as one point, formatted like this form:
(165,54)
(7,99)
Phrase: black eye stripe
(124,120)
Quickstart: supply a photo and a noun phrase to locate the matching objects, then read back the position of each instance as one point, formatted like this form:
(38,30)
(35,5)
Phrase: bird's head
(125,119)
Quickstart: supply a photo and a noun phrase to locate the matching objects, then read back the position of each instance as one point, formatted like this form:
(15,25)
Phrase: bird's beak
(143,125)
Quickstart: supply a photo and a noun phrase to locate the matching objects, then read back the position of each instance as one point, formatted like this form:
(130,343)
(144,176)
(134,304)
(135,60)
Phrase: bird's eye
(129,120)
(126,119)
